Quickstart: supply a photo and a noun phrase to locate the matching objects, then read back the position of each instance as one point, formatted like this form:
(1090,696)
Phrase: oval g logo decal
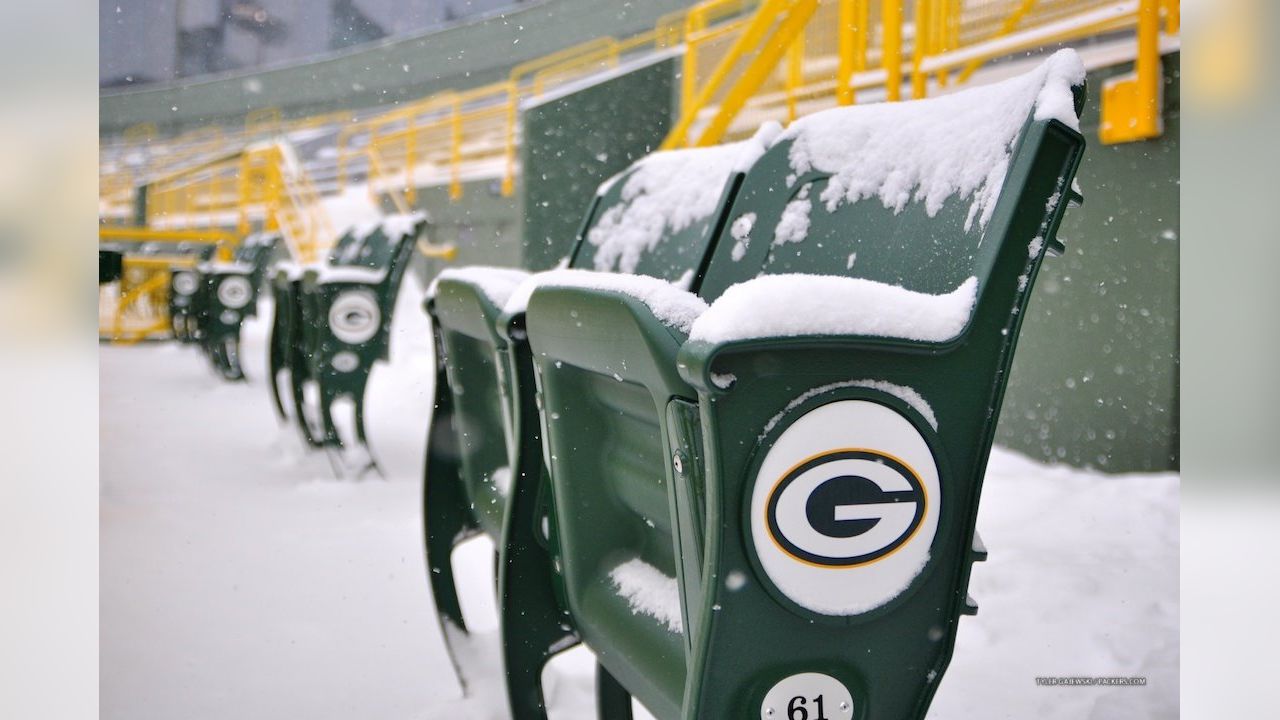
(845,507)
(354,317)
(184,283)
(235,292)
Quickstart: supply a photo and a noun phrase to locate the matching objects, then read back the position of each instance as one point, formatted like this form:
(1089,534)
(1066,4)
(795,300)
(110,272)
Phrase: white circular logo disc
(184,283)
(807,696)
(354,317)
(845,507)
(234,292)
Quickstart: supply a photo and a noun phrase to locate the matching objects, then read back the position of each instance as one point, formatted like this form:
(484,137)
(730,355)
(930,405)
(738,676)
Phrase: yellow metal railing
(446,131)
(449,130)
(744,61)
(138,306)
(225,241)
(259,187)
(759,42)
(762,64)
(752,66)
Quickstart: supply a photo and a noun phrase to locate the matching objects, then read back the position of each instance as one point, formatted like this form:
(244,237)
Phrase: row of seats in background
(209,302)
(737,448)
(331,320)
(204,300)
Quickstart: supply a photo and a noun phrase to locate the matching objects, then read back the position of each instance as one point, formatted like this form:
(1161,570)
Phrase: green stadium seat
(345,324)
(110,266)
(227,293)
(764,491)
(484,464)
(285,354)
(181,316)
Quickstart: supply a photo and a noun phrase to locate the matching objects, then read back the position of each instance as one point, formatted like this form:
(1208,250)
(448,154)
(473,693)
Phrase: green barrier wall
(482,224)
(573,143)
(1095,379)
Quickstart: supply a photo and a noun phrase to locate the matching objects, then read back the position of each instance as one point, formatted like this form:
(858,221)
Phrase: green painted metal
(306,343)
(571,144)
(323,342)
(287,352)
(1108,397)
(622,389)
(217,325)
(110,266)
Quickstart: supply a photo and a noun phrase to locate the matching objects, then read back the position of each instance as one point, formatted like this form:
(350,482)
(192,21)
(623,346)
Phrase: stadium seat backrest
(659,216)
(636,224)
(814,206)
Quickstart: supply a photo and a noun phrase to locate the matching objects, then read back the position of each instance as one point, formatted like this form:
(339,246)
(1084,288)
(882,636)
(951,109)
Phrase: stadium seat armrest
(607,332)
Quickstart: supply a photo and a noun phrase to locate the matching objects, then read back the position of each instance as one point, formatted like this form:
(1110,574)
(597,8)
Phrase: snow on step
(792,305)
(649,591)
(929,150)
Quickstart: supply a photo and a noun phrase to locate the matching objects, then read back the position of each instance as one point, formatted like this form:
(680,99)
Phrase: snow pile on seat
(401,224)
(225,267)
(793,226)
(675,307)
(496,283)
(791,305)
(350,274)
(649,591)
(668,192)
(929,150)
(501,479)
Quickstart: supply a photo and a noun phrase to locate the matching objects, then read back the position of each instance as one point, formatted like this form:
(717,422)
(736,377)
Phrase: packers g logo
(846,508)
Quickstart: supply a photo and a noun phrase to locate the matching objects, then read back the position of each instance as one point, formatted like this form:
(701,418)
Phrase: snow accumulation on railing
(929,150)
(668,192)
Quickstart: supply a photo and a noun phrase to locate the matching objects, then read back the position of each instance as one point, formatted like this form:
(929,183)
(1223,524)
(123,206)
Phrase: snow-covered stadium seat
(764,491)
(484,470)
(217,296)
(334,322)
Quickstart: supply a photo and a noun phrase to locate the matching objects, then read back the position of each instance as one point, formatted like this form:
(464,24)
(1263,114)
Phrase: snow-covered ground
(240,579)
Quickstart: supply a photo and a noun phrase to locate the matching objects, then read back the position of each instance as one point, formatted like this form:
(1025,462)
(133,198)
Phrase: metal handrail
(738,55)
